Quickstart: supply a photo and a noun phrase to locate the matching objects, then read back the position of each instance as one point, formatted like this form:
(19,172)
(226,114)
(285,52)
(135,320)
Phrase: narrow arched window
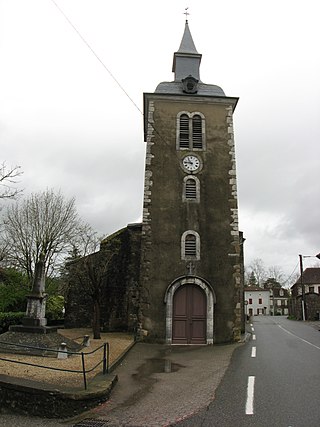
(191,189)
(197,132)
(184,131)
(190,245)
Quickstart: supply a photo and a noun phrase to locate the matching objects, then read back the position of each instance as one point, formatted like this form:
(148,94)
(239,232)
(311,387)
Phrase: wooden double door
(189,321)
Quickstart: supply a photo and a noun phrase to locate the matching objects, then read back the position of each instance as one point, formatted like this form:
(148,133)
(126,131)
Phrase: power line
(290,276)
(96,55)
(109,72)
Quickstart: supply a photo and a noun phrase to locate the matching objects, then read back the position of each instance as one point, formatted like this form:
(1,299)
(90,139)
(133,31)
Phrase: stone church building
(177,277)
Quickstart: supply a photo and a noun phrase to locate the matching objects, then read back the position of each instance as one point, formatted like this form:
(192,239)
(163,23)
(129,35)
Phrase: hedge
(10,318)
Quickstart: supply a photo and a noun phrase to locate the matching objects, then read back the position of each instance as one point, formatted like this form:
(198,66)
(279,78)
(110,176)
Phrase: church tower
(190,283)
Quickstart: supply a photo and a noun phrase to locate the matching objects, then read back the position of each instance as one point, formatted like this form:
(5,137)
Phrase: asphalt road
(272,381)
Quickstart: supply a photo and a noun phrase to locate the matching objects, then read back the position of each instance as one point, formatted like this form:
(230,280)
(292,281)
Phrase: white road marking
(251,324)
(250,395)
(253,337)
(253,351)
(252,328)
(294,335)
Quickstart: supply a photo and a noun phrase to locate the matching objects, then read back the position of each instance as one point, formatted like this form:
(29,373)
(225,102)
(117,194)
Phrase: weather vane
(186,13)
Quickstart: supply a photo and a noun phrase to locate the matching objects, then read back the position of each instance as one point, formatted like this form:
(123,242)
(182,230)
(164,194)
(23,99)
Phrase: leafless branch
(8,180)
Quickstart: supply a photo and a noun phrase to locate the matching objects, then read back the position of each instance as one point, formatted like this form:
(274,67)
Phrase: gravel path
(118,344)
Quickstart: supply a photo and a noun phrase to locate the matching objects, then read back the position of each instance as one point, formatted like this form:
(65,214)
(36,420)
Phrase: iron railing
(104,361)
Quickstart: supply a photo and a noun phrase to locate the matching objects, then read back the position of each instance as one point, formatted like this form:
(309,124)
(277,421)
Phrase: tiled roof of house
(254,289)
(310,276)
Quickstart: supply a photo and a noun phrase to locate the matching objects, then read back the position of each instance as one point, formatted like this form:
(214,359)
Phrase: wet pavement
(157,386)
(161,385)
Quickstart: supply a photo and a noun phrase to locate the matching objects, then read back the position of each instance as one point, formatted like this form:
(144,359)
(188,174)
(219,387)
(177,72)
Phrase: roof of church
(186,62)
(176,89)
(187,45)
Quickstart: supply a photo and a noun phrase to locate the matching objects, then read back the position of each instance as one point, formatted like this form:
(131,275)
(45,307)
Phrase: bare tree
(8,180)
(91,271)
(276,273)
(44,222)
(258,268)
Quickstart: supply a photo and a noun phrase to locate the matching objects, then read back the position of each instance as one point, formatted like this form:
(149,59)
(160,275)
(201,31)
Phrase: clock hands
(191,163)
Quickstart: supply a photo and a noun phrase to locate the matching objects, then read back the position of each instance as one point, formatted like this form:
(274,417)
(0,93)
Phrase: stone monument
(34,320)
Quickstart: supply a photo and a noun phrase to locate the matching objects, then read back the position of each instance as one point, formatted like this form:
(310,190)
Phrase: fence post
(84,371)
(108,356)
(104,371)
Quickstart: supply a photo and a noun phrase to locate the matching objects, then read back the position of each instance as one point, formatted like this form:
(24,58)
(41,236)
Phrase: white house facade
(257,301)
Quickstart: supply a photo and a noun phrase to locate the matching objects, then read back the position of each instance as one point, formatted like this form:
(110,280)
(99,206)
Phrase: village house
(306,294)
(257,301)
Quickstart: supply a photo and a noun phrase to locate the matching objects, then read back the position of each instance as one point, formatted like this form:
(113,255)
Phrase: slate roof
(255,289)
(310,276)
(176,89)
(187,44)
(187,61)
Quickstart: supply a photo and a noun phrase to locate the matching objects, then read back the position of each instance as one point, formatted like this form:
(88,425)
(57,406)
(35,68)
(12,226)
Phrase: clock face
(191,163)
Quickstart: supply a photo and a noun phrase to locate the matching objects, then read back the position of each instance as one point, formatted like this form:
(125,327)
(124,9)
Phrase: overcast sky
(69,125)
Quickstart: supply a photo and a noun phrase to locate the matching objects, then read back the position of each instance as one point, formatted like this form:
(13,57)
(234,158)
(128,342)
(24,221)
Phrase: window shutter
(191,189)
(184,131)
(197,131)
(190,245)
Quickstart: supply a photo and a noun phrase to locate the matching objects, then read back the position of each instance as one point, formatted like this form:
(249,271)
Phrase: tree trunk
(96,320)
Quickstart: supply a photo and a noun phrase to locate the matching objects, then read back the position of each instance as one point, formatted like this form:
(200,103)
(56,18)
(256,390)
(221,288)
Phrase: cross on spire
(186,13)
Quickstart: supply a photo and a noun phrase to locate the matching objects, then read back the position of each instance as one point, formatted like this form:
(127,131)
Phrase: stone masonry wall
(119,303)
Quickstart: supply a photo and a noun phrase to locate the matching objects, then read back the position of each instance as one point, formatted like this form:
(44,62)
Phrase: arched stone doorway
(189,311)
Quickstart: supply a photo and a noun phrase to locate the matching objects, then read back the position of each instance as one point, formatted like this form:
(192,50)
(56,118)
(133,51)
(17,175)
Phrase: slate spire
(186,61)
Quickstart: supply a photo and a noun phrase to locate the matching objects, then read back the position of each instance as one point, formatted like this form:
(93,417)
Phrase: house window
(311,289)
(260,300)
(250,300)
(279,302)
(190,245)
(191,189)
(190,131)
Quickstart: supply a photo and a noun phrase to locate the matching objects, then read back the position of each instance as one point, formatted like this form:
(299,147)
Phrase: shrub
(54,307)
(14,288)
(10,318)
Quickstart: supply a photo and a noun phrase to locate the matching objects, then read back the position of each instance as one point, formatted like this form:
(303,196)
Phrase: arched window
(190,245)
(190,131)
(191,189)
(184,131)
(197,132)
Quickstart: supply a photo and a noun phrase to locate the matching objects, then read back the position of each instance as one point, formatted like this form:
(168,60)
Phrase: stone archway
(210,301)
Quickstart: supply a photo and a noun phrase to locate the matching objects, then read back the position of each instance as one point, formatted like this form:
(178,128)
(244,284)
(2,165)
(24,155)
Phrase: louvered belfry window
(191,189)
(184,131)
(197,132)
(190,245)
(191,131)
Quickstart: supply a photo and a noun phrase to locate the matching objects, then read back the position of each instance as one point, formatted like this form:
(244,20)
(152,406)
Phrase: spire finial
(186,13)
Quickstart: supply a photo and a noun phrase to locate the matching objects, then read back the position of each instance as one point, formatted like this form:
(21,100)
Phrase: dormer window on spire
(190,85)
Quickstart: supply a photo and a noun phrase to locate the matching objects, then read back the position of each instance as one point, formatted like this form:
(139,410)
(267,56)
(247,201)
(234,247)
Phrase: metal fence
(104,361)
